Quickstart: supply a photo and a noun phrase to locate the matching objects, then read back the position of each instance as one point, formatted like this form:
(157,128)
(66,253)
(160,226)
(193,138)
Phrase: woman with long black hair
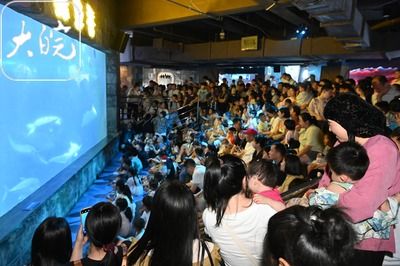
(236,223)
(51,243)
(172,235)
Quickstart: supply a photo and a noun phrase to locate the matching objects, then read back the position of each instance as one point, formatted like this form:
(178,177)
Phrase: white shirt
(131,205)
(145,216)
(126,226)
(387,97)
(249,226)
(198,176)
(136,190)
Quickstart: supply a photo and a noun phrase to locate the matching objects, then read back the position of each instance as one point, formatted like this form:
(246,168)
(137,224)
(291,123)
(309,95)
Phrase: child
(348,163)
(126,217)
(231,135)
(139,226)
(319,163)
(263,176)
(291,133)
(147,203)
(134,183)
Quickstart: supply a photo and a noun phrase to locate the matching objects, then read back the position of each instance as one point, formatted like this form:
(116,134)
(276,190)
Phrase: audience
(278,132)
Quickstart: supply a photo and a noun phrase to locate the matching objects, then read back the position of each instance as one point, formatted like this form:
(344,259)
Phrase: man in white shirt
(197,172)
(247,154)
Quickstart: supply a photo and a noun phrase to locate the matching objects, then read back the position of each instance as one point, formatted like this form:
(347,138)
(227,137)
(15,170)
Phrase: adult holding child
(352,119)
(232,219)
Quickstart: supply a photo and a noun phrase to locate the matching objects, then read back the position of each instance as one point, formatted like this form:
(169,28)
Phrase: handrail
(126,105)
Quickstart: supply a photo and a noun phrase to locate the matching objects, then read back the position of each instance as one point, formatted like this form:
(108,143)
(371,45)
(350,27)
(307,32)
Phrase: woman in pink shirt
(352,119)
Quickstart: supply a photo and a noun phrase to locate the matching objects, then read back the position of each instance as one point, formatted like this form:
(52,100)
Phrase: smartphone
(84,212)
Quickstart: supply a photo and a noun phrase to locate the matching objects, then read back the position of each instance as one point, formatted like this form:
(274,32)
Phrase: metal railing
(132,108)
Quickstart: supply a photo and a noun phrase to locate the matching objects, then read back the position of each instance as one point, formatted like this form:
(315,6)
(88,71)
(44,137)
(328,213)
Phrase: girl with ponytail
(126,217)
(123,191)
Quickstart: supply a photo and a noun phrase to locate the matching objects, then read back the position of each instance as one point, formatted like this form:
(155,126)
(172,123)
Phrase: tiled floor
(96,193)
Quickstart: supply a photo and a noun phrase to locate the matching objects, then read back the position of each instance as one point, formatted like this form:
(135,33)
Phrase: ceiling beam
(267,16)
(283,12)
(139,14)
(227,25)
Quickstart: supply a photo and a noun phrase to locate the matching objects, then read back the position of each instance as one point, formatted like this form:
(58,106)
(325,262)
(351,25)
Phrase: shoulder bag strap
(204,244)
(202,254)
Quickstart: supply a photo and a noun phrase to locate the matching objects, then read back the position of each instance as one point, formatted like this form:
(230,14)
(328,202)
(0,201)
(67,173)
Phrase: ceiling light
(222,35)
(268,8)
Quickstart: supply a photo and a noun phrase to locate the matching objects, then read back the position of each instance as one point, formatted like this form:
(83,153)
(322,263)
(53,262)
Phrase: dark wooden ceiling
(280,23)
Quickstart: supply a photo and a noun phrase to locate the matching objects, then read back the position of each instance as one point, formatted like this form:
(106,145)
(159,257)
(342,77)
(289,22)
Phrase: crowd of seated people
(226,167)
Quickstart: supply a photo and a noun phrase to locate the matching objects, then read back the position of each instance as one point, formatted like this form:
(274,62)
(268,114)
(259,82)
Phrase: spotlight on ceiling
(301,32)
(222,35)
(270,6)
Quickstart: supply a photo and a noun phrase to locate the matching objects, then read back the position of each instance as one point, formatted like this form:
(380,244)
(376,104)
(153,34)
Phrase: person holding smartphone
(102,225)
(84,212)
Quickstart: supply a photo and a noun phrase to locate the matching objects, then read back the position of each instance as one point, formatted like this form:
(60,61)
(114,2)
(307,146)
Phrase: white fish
(44,120)
(26,184)
(76,74)
(22,148)
(26,149)
(65,157)
(89,116)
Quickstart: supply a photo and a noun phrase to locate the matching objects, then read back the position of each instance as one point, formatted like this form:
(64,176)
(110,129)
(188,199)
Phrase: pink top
(273,194)
(381,180)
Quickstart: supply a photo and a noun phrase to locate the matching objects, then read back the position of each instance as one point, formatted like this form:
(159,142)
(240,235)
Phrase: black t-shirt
(118,255)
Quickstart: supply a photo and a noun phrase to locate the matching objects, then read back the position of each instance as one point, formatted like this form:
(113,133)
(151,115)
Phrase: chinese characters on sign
(47,42)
